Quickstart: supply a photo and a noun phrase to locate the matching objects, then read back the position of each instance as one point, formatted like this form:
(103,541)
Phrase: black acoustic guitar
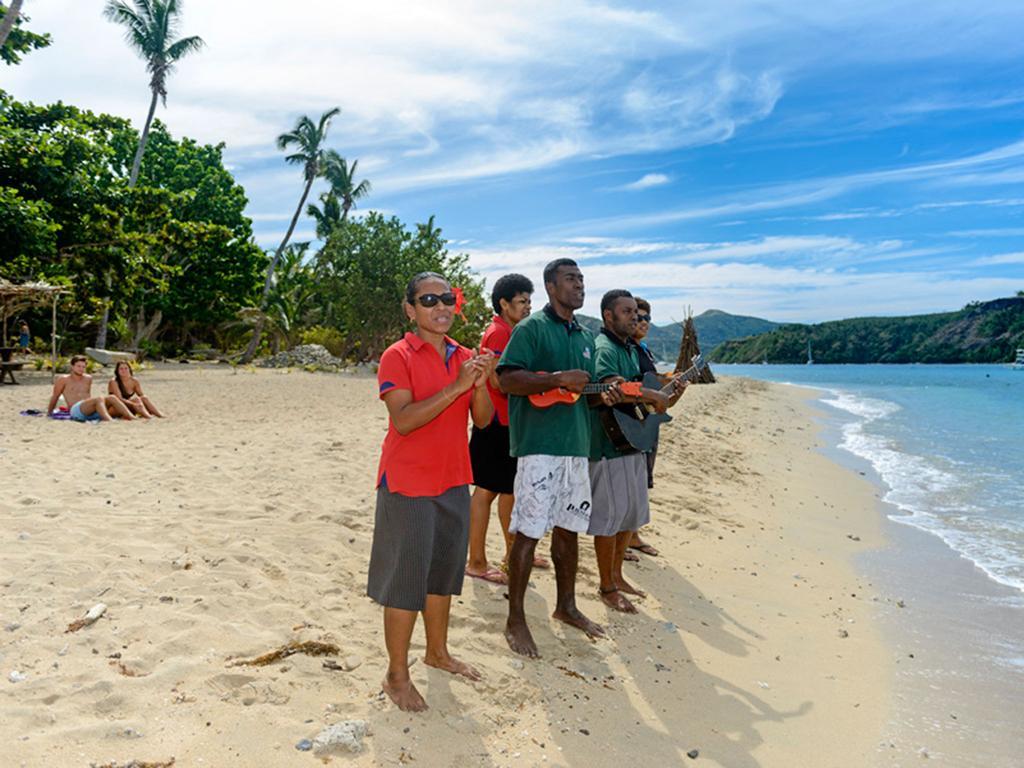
(632,427)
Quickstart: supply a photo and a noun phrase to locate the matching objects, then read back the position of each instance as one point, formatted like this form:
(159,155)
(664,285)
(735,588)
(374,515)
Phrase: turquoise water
(946,440)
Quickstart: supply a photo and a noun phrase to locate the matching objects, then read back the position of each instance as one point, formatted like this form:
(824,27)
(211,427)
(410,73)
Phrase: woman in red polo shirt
(430,384)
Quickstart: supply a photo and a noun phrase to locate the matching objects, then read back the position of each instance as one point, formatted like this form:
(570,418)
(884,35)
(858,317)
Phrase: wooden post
(53,339)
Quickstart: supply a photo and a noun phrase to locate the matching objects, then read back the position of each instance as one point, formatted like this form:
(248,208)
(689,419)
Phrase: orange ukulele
(563,396)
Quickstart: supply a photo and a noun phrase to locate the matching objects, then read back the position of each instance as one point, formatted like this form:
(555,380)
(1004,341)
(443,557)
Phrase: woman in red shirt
(430,384)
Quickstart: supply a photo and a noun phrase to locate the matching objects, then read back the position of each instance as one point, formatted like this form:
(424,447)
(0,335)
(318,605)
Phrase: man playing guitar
(618,475)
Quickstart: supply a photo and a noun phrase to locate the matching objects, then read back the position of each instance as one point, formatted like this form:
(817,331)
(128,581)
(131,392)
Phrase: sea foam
(932,493)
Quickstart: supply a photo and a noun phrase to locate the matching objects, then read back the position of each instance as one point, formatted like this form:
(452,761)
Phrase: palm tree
(10,17)
(150,28)
(342,180)
(341,197)
(289,303)
(308,140)
(327,218)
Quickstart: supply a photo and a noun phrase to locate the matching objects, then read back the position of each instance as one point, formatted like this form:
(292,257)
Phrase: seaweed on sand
(308,647)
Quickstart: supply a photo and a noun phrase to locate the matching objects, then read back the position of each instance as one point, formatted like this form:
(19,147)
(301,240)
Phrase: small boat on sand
(107,357)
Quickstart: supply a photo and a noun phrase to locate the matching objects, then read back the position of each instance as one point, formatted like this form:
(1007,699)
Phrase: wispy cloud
(789,195)
(989,232)
(805,274)
(1000,259)
(647,181)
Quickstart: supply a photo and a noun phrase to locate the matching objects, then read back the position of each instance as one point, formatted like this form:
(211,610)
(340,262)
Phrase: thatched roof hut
(17,297)
(689,348)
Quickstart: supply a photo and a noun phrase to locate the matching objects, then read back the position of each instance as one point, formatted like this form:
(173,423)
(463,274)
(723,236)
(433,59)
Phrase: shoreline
(953,627)
(245,523)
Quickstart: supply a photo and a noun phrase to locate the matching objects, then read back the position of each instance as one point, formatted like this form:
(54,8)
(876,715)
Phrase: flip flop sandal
(491,576)
(647,549)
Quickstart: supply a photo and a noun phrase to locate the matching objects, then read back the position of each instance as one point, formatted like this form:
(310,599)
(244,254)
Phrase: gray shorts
(619,489)
(551,491)
(419,547)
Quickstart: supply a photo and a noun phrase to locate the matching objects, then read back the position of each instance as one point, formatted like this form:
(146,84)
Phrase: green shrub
(149,348)
(331,339)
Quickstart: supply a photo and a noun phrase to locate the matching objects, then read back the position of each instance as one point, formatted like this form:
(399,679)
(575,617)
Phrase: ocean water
(947,441)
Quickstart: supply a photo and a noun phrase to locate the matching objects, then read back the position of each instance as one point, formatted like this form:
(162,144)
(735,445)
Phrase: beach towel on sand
(60,415)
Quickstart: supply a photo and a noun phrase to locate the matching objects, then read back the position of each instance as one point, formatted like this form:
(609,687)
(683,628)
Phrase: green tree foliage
(290,305)
(982,332)
(361,274)
(178,248)
(20,40)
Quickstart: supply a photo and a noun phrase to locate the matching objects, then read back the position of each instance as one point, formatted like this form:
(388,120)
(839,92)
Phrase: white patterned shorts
(551,491)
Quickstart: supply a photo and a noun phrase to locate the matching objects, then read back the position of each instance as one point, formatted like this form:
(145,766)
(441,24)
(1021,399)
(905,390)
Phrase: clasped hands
(476,370)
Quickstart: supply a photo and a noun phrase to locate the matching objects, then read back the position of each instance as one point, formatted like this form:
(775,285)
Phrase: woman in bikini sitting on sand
(126,388)
(430,385)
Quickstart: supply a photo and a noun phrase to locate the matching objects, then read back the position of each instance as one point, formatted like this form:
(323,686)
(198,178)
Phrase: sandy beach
(243,522)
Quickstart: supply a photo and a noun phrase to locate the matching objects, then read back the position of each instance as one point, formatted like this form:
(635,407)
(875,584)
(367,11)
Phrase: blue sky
(800,161)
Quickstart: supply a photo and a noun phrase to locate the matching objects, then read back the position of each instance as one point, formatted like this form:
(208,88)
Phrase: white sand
(244,522)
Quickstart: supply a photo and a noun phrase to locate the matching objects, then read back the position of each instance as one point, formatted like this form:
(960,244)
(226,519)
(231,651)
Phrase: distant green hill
(713,327)
(981,332)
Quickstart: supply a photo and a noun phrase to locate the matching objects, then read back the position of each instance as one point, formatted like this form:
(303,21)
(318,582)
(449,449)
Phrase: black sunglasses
(643,318)
(430,299)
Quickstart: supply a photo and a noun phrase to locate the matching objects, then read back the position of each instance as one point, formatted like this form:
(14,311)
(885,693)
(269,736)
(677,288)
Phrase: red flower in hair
(460,300)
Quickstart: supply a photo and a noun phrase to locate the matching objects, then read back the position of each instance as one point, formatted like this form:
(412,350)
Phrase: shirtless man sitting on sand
(77,390)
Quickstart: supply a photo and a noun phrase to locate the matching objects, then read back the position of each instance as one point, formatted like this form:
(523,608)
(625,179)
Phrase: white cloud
(796,278)
(772,197)
(1001,259)
(450,91)
(992,232)
(647,181)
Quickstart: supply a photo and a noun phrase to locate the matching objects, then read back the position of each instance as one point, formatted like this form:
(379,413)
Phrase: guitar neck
(596,388)
(690,374)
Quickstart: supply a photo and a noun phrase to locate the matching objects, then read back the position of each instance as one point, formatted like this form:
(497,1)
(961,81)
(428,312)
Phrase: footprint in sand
(246,690)
(271,571)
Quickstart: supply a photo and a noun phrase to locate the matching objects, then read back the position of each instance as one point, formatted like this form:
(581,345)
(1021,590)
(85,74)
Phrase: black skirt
(493,467)
(419,547)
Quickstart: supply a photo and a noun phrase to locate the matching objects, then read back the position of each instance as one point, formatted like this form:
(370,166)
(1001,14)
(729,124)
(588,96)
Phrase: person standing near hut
(618,478)
(548,350)
(430,385)
(24,337)
(494,468)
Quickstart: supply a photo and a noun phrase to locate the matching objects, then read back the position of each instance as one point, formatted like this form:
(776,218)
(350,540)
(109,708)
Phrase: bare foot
(520,640)
(404,694)
(450,664)
(629,589)
(617,601)
(574,618)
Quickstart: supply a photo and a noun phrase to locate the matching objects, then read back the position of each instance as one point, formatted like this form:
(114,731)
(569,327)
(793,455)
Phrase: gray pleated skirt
(419,547)
(619,490)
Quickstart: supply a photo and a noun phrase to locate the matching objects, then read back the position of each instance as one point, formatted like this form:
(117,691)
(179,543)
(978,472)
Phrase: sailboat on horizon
(810,357)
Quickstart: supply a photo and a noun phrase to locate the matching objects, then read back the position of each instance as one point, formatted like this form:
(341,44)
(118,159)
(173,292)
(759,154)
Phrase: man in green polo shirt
(548,350)
(618,479)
